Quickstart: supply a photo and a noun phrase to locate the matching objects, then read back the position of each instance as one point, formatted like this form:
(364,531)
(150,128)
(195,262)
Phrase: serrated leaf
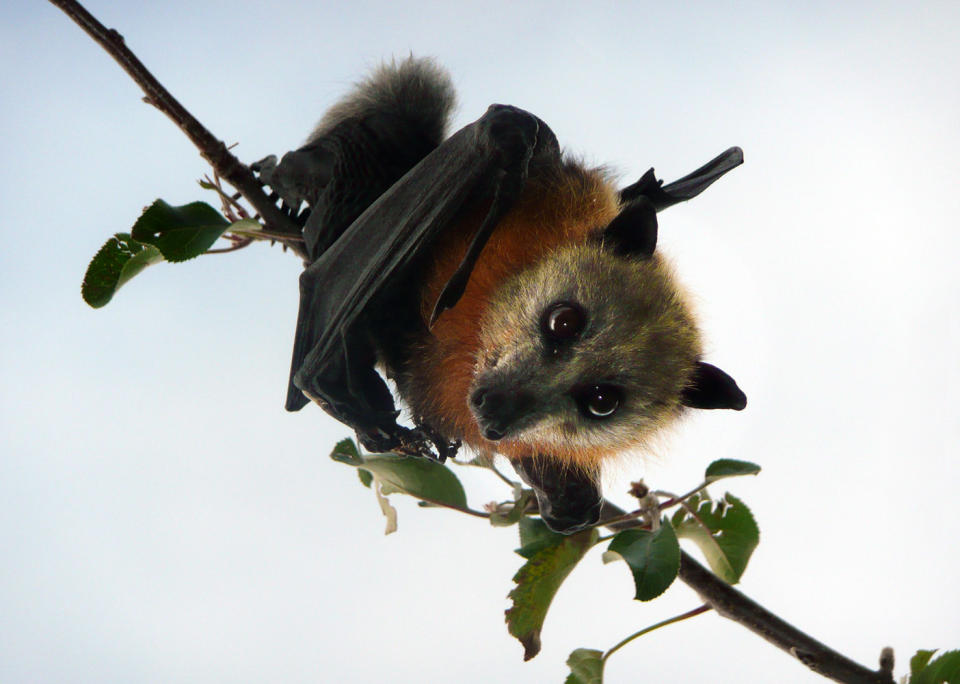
(119,260)
(586,667)
(537,583)
(180,233)
(728,467)
(653,557)
(944,669)
(417,477)
(729,538)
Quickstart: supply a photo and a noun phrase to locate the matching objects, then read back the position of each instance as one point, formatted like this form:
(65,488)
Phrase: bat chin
(571,520)
(569,500)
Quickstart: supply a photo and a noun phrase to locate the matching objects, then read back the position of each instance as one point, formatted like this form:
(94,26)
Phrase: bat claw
(445,449)
(419,442)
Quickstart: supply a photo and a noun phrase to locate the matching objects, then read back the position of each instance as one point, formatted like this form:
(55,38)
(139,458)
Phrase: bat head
(586,352)
(583,355)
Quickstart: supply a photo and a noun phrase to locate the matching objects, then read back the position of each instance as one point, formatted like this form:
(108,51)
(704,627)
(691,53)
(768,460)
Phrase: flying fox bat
(514,296)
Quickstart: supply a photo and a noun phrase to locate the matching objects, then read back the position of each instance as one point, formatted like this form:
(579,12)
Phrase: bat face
(582,354)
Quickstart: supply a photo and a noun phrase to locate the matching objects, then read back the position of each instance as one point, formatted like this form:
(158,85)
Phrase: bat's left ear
(634,230)
(711,388)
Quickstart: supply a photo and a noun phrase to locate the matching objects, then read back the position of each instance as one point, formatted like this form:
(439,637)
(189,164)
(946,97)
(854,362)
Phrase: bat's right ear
(711,388)
(634,230)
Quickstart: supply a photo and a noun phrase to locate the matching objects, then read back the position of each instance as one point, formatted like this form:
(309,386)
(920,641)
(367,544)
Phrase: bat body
(514,296)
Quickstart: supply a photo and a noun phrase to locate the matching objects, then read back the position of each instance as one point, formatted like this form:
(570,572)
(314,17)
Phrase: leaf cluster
(724,529)
(162,233)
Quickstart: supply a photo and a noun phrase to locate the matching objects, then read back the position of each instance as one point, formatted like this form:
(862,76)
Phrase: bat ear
(711,388)
(634,230)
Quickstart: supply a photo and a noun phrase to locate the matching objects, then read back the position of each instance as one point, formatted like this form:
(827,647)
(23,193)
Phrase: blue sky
(162,517)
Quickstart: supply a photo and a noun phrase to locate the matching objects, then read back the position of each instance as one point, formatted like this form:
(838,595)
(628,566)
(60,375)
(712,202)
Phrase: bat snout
(499,411)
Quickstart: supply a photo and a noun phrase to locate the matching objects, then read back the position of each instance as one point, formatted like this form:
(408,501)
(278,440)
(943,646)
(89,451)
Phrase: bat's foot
(419,442)
(445,448)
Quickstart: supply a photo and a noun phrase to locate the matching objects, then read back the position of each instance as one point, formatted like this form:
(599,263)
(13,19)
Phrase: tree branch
(213,150)
(734,605)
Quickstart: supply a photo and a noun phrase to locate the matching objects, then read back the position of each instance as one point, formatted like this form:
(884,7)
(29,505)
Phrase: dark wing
(333,357)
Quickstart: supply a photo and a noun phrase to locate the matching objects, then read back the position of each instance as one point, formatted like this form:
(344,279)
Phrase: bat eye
(599,401)
(563,322)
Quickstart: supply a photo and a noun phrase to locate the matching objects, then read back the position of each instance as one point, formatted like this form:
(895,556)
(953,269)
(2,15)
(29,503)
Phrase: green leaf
(511,512)
(535,536)
(728,467)
(346,451)
(586,667)
(365,477)
(653,557)
(119,260)
(945,669)
(920,660)
(729,538)
(538,581)
(419,477)
(180,233)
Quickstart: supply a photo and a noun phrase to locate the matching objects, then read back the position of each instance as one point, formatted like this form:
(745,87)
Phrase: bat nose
(497,410)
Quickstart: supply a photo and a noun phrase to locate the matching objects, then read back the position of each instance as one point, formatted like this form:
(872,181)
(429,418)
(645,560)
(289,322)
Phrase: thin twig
(646,630)
(614,522)
(674,499)
(239,244)
(229,202)
(503,477)
(212,149)
(453,507)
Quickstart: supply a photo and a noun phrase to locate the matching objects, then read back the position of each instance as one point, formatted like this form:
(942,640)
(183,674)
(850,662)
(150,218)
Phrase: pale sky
(163,519)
